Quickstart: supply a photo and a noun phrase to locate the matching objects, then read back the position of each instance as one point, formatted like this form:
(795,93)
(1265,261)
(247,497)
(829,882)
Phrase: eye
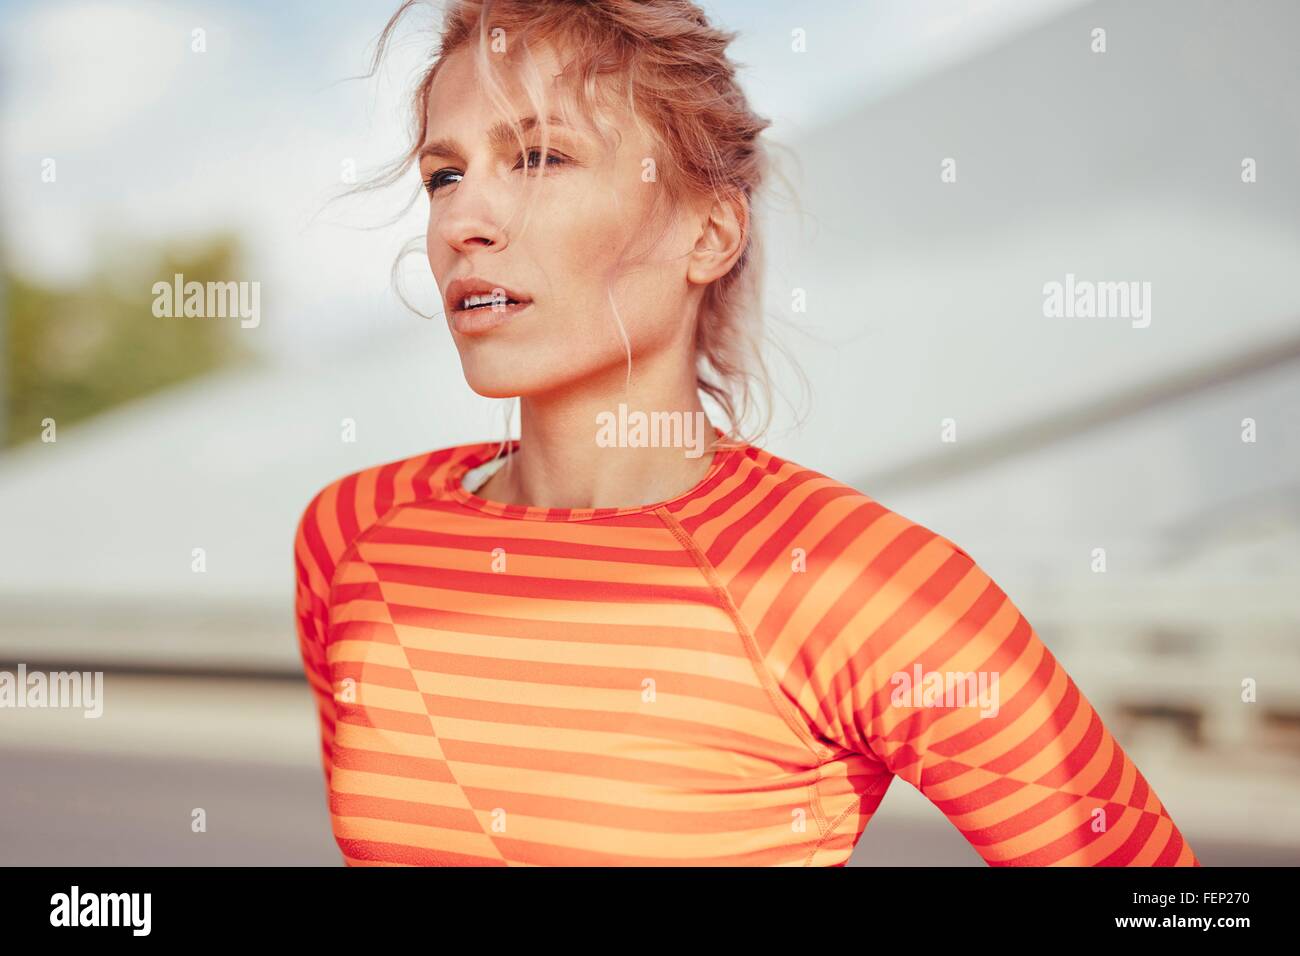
(552,159)
(435,180)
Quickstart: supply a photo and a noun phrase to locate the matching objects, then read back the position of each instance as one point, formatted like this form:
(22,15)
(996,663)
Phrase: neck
(577,448)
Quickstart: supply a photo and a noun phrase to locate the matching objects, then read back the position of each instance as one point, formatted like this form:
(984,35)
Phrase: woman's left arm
(941,678)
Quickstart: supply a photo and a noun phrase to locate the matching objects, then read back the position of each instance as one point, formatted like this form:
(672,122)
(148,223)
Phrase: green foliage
(71,353)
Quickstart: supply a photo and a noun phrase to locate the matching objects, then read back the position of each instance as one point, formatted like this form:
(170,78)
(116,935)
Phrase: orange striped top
(730,677)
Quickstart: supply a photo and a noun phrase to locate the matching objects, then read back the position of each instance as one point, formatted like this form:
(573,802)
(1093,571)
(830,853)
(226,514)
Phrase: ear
(724,230)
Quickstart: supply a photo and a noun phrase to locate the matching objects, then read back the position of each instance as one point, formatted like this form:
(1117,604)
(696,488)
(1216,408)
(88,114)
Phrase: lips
(461,289)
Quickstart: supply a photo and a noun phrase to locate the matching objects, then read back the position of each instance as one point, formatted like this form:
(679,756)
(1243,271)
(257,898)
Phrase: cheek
(582,238)
(432,246)
(441,257)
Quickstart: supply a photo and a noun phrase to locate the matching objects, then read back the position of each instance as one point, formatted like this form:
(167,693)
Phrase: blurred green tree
(73,352)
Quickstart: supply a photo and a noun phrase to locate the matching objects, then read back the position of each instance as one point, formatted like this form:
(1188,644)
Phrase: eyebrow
(501,134)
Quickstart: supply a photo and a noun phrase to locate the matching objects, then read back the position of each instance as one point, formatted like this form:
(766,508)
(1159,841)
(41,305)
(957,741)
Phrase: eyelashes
(437,180)
(433,183)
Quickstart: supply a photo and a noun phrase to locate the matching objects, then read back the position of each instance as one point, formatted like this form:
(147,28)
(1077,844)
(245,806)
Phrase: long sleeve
(333,521)
(925,664)
(311,611)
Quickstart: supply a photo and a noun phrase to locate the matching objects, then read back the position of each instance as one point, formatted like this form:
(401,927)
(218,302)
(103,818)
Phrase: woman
(628,648)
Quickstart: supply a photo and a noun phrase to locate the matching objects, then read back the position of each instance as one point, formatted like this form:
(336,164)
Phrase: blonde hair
(671,71)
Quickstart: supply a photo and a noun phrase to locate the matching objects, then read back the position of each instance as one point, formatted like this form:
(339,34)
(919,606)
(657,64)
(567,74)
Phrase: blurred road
(92,810)
(78,810)
(121,790)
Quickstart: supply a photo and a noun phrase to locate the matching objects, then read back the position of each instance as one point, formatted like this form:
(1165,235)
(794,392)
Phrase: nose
(468,219)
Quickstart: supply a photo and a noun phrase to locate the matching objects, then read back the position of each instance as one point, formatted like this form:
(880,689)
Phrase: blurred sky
(925,298)
(148,136)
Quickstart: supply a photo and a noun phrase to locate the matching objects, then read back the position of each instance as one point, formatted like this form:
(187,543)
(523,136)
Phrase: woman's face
(588,205)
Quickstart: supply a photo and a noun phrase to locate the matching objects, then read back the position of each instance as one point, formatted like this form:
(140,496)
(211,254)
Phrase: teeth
(473,301)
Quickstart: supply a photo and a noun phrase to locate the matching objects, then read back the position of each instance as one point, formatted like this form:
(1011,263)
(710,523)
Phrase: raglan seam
(879,787)
(812,854)
(349,552)
(326,625)
(767,680)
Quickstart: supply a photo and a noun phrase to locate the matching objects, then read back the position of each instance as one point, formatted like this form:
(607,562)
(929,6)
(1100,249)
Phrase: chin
(510,373)
(495,379)
(492,386)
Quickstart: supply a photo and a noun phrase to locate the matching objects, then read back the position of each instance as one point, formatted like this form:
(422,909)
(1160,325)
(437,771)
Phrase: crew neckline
(485,452)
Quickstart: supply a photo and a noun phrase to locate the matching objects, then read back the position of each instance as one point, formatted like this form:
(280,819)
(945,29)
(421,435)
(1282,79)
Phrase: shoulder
(766,498)
(831,577)
(342,510)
